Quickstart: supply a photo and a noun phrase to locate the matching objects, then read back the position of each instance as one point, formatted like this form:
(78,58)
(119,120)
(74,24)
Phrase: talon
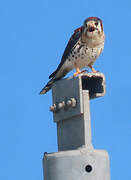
(84,71)
(93,70)
(76,73)
(79,72)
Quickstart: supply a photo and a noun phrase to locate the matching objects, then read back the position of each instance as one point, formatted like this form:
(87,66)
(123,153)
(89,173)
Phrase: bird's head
(92,27)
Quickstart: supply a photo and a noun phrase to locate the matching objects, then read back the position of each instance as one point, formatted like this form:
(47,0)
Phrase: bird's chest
(82,56)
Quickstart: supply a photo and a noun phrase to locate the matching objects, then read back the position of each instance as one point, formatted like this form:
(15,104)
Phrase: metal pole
(76,158)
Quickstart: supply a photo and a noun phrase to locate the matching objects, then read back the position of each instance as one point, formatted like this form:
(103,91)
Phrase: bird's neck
(93,41)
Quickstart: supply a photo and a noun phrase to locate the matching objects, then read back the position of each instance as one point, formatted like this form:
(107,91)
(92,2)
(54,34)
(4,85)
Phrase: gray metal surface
(75,132)
(62,91)
(72,87)
(76,159)
(78,164)
(73,123)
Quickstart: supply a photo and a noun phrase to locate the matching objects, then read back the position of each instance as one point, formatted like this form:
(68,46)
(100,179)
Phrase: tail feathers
(48,86)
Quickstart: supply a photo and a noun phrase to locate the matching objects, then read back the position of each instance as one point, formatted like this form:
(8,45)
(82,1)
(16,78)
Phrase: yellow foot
(78,72)
(93,70)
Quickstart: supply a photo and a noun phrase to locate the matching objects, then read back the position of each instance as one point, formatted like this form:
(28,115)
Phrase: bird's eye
(96,23)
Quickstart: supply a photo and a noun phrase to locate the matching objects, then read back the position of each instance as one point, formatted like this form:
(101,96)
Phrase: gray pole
(76,158)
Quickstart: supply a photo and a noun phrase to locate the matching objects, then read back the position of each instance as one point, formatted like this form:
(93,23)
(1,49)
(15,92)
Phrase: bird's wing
(70,46)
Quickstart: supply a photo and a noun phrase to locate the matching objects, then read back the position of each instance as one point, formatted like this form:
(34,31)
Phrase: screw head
(53,108)
(69,103)
(73,100)
(61,105)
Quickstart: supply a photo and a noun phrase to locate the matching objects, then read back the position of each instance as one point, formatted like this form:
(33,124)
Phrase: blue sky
(33,35)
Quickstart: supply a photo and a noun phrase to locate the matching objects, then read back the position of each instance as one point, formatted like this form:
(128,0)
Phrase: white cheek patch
(99,27)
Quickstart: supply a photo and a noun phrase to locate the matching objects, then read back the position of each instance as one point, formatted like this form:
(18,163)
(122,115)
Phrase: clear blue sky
(33,35)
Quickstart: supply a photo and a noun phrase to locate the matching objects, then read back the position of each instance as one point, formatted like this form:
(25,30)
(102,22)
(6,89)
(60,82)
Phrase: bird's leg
(93,70)
(77,72)
(84,71)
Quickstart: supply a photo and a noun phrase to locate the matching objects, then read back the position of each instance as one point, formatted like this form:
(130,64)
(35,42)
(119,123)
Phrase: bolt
(53,108)
(73,100)
(61,105)
(69,102)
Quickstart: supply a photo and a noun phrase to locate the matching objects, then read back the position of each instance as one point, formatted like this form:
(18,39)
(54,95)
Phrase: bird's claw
(79,72)
(76,73)
(95,71)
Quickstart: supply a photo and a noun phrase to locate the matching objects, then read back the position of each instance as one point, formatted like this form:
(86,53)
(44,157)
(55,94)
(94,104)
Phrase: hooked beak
(91,28)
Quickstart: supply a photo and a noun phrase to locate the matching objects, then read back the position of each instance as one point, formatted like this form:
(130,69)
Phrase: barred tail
(48,86)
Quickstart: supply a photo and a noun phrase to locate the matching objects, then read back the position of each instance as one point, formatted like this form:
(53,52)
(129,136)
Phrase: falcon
(82,50)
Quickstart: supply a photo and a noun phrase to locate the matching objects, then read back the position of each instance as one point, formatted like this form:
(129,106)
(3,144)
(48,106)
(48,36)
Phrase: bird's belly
(86,57)
(83,62)
(82,59)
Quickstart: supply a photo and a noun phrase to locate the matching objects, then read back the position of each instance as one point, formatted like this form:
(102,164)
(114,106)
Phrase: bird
(84,47)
